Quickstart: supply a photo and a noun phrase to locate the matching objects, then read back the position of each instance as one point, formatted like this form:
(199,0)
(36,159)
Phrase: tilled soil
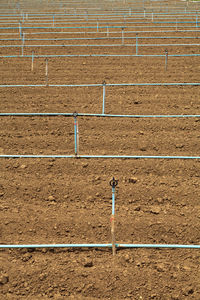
(53,201)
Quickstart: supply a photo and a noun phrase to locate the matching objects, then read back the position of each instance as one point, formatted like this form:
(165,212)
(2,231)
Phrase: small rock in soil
(88,263)
(4,279)
(51,198)
(155,210)
(132,180)
(23,166)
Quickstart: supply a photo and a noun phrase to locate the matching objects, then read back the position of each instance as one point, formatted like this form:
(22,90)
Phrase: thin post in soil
(166,59)
(46,71)
(107,31)
(97,26)
(104,97)
(122,35)
(32,60)
(113,183)
(152,16)
(20,29)
(76,135)
(23,40)
(176,24)
(136,43)
(144,13)
(53,21)
(196,20)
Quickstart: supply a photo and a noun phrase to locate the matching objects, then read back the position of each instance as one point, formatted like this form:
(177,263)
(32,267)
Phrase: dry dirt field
(48,200)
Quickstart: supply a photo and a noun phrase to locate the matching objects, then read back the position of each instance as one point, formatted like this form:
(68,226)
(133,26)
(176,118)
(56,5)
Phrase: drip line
(107,84)
(100,246)
(98,156)
(100,55)
(96,115)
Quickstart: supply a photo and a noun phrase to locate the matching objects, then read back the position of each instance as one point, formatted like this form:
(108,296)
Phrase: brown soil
(51,201)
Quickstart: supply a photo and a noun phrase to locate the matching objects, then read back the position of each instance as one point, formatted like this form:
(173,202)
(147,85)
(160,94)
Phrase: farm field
(69,200)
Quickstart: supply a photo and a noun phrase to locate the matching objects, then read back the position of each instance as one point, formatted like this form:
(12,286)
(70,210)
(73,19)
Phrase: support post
(46,71)
(196,20)
(107,31)
(23,40)
(166,59)
(104,97)
(136,43)
(20,29)
(122,35)
(113,183)
(32,61)
(76,143)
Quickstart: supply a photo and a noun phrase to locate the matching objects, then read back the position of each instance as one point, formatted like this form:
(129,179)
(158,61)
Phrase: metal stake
(46,60)
(113,183)
(32,60)
(104,97)
(75,134)
(166,59)
(136,43)
(122,35)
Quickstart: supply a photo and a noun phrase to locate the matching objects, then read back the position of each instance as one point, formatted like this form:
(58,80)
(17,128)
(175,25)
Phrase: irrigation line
(119,13)
(98,156)
(175,246)
(102,32)
(94,115)
(107,84)
(102,38)
(108,45)
(100,55)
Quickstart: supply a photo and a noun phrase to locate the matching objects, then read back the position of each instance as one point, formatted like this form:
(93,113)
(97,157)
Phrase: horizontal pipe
(101,246)
(96,115)
(56,245)
(117,13)
(100,38)
(102,32)
(107,84)
(158,246)
(97,156)
(100,55)
(108,45)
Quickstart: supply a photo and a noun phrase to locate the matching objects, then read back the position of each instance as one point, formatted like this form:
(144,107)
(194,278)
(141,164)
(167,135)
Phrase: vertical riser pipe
(104,98)
(136,44)
(46,71)
(32,62)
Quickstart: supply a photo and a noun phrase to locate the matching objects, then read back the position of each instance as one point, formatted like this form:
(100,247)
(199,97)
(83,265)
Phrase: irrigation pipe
(175,246)
(100,55)
(102,32)
(107,84)
(98,156)
(95,115)
(102,38)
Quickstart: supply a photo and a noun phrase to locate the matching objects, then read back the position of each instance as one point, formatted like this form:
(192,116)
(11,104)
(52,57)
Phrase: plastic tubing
(98,156)
(108,45)
(96,115)
(108,84)
(101,246)
(101,55)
